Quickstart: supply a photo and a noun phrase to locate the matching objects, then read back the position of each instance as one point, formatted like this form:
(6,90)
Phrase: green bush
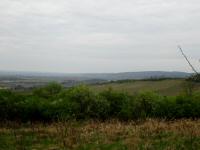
(80,100)
(115,100)
(10,105)
(50,91)
(53,102)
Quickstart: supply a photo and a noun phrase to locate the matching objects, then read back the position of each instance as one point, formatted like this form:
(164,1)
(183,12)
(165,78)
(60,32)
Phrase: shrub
(10,105)
(116,101)
(147,103)
(53,102)
(50,91)
(79,101)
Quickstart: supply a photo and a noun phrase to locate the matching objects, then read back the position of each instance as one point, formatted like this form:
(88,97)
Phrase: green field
(167,87)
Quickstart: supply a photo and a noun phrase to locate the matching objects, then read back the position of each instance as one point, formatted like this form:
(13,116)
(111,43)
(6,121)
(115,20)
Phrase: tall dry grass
(149,134)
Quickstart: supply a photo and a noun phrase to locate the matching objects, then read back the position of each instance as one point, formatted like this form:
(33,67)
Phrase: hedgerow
(54,102)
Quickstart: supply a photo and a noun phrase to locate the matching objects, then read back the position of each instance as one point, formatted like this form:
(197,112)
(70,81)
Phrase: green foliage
(53,102)
(116,102)
(80,99)
(49,91)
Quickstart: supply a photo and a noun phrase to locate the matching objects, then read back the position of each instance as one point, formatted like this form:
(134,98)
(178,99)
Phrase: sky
(99,36)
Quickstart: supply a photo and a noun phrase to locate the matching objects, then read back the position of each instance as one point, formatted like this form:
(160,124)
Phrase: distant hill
(98,76)
(133,75)
(27,80)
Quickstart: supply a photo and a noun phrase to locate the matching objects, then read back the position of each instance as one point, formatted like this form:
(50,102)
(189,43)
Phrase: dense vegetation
(54,102)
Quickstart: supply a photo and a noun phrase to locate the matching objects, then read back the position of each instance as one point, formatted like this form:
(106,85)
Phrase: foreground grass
(95,135)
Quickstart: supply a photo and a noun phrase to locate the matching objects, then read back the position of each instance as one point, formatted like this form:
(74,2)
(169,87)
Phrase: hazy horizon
(92,36)
(42,72)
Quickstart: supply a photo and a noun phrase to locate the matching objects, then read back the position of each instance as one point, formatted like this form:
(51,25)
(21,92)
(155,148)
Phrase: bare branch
(192,67)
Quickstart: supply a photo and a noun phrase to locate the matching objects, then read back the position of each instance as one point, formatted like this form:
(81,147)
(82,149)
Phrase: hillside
(165,87)
(134,75)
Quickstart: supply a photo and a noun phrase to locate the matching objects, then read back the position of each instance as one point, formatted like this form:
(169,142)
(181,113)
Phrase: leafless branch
(192,67)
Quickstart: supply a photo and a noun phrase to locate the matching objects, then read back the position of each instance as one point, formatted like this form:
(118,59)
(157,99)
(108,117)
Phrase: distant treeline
(53,102)
(134,80)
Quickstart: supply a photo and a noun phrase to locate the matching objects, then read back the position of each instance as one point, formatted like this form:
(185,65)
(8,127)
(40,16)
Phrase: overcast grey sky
(98,35)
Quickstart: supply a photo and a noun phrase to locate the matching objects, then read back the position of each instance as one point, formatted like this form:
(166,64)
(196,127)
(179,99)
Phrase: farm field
(110,135)
(169,87)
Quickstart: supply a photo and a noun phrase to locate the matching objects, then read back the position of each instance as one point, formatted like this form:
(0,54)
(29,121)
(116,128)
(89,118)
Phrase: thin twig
(187,60)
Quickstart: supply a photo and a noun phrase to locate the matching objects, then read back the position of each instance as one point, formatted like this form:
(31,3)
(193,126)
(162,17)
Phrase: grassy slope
(165,87)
